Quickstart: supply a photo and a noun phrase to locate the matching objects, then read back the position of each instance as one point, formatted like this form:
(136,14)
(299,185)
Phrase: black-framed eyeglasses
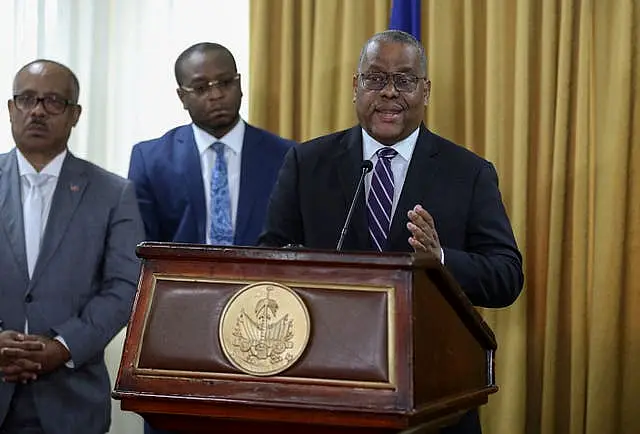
(377,81)
(201,89)
(53,104)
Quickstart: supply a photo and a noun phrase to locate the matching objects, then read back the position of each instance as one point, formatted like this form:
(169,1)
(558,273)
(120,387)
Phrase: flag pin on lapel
(74,187)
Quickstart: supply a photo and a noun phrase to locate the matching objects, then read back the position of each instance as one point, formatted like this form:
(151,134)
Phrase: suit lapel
(71,186)
(422,169)
(189,164)
(252,176)
(11,210)
(348,161)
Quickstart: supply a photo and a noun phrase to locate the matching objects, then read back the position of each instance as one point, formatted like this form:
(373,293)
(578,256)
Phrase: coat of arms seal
(264,328)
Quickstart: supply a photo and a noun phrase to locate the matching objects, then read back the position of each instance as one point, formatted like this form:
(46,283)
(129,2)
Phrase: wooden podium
(394,345)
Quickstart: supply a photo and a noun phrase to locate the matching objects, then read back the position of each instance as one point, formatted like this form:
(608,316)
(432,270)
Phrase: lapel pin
(74,187)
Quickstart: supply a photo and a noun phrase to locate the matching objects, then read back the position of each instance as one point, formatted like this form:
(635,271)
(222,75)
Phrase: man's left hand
(424,237)
(52,356)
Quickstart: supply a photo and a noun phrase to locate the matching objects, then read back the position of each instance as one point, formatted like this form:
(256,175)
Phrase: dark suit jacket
(459,189)
(82,287)
(168,179)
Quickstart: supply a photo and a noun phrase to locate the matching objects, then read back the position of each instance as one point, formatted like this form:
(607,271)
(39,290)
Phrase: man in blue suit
(207,182)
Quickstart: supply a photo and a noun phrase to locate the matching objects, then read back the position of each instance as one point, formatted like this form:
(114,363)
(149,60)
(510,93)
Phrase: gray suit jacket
(82,287)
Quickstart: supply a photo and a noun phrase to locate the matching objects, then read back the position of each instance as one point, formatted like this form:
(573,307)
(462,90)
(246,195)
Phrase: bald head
(44,66)
(398,37)
(43,110)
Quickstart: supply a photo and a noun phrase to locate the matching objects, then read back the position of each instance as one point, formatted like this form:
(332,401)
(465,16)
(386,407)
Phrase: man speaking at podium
(421,191)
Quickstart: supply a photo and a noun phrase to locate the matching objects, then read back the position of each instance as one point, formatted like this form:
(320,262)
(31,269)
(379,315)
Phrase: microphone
(365,167)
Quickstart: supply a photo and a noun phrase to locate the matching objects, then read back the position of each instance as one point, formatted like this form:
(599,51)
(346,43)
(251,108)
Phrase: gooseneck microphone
(365,167)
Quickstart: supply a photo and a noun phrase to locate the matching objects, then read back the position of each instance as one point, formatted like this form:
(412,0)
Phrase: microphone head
(367,166)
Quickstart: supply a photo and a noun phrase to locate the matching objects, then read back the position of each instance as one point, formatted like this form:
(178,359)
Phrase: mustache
(37,122)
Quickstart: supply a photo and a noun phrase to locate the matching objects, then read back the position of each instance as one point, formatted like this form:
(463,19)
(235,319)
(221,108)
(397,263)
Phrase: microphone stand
(366,167)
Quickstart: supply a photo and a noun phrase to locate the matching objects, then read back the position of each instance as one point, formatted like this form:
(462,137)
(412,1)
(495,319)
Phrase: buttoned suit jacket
(82,286)
(167,174)
(459,189)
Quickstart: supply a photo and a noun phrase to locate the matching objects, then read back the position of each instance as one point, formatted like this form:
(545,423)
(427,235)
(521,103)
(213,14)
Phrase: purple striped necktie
(380,201)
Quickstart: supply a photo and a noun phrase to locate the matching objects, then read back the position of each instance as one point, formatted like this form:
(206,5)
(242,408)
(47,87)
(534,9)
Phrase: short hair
(75,84)
(201,47)
(399,37)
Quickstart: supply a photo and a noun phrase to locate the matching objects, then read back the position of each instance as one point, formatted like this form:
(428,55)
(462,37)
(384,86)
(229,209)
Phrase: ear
(427,91)
(355,87)
(11,107)
(77,110)
(182,96)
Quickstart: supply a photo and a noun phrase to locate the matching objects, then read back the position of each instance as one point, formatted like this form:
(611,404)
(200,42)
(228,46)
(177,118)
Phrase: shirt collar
(233,139)
(52,168)
(404,147)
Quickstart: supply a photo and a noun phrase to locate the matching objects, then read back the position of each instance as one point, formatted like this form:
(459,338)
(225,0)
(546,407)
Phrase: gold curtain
(303,52)
(549,91)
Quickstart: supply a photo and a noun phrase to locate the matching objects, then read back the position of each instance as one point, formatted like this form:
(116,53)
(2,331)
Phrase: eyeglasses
(54,105)
(204,88)
(377,81)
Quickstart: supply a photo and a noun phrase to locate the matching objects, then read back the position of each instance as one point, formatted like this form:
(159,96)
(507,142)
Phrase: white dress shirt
(47,189)
(233,141)
(399,166)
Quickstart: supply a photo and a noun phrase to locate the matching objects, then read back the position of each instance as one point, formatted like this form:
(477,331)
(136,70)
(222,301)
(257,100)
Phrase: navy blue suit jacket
(168,179)
(458,188)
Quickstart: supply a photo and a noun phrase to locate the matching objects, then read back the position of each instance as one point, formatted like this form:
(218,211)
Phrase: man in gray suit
(68,232)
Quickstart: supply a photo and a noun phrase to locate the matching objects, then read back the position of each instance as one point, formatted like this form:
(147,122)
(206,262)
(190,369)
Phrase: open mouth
(389,115)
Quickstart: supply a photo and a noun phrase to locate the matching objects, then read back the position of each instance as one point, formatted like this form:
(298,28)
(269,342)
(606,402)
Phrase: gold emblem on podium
(264,328)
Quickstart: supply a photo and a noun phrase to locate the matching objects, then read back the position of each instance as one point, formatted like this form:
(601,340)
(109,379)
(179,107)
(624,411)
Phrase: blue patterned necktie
(221,230)
(380,201)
